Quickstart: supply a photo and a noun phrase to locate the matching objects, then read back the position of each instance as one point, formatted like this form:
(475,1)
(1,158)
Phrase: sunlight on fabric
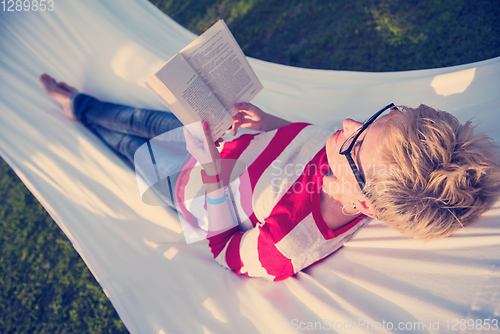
(453,83)
(488,298)
(318,306)
(135,64)
(150,243)
(59,179)
(170,253)
(206,330)
(269,319)
(34,168)
(216,311)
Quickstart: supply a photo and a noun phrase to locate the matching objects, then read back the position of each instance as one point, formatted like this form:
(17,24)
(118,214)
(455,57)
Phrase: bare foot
(59,91)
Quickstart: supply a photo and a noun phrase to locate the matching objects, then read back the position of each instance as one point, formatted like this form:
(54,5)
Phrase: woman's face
(364,154)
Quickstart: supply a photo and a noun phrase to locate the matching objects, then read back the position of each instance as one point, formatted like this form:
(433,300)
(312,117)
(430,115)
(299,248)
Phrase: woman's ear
(364,205)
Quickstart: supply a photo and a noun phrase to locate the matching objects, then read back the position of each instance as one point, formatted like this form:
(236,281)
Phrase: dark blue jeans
(122,128)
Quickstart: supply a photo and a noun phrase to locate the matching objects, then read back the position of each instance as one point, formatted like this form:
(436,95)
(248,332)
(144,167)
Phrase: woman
(309,189)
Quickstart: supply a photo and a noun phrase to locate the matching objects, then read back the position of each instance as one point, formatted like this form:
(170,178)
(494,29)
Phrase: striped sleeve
(252,253)
(255,253)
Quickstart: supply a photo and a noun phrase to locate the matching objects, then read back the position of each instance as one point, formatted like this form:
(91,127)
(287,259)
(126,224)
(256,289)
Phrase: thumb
(206,129)
(208,137)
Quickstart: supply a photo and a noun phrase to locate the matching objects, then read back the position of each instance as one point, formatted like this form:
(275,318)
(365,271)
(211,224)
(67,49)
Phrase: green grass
(362,35)
(46,287)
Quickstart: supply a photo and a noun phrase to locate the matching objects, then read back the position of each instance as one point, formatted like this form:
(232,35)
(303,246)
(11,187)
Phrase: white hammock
(156,282)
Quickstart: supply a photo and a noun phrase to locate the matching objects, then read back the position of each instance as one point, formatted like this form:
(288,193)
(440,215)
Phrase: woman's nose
(350,126)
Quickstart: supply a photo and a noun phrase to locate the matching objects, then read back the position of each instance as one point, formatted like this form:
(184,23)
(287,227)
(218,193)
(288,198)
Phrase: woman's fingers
(236,123)
(249,117)
(208,135)
(244,118)
(244,106)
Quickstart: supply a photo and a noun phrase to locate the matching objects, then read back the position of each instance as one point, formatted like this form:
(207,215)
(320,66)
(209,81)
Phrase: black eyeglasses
(349,144)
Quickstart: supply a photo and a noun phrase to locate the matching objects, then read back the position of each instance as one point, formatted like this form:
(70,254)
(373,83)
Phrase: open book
(205,79)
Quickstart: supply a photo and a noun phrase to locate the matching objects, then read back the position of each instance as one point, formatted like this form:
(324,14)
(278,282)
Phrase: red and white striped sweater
(282,230)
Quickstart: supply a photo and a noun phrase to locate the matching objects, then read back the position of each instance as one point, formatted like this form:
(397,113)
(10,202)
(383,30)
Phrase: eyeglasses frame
(356,134)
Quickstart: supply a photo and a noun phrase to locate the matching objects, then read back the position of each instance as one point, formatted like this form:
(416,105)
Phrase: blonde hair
(438,176)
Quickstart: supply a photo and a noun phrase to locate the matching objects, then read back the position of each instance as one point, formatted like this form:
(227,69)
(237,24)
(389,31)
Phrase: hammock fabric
(158,283)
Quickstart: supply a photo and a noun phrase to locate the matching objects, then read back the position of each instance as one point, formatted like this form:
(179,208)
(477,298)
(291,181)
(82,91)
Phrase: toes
(43,77)
(51,86)
(47,79)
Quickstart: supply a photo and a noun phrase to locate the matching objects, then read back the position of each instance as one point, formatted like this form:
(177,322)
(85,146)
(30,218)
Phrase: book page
(188,97)
(220,63)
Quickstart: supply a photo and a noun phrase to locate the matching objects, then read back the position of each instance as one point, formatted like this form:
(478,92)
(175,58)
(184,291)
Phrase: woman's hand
(249,117)
(204,150)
